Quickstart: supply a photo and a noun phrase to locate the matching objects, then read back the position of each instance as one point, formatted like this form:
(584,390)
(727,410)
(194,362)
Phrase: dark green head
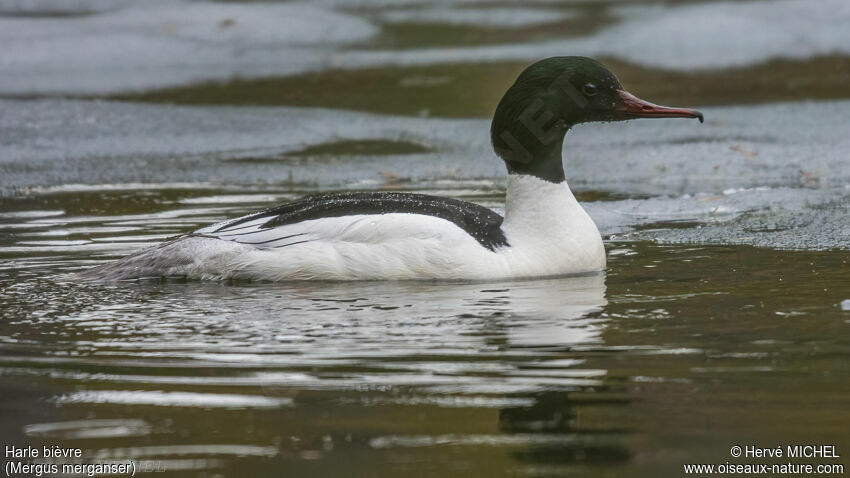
(551,96)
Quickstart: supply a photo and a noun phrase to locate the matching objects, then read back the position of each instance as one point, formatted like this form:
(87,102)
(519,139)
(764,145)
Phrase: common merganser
(391,235)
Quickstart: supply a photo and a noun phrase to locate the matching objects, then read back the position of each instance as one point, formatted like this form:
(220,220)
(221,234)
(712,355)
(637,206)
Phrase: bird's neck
(532,200)
(547,165)
(543,160)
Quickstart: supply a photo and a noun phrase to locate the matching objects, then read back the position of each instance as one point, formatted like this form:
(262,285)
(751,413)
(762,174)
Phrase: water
(722,318)
(672,356)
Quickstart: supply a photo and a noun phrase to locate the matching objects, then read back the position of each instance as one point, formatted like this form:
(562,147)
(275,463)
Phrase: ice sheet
(48,142)
(168,42)
(505,17)
(685,37)
(124,46)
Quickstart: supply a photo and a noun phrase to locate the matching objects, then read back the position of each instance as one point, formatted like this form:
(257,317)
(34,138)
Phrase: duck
(378,235)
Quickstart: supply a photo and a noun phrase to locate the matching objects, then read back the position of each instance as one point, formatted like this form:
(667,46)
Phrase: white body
(547,230)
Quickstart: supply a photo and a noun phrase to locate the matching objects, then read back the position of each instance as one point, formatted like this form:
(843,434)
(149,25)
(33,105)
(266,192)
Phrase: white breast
(549,232)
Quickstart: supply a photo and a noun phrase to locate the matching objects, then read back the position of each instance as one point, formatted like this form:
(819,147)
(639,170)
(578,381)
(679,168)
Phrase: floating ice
(727,34)
(685,37)
(60,7)
(504,17)
(815,219)
(59,142)
(144,46)
(403,3)
(147,45)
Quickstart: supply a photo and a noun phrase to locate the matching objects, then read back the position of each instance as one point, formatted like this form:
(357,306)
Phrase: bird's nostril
(646,107)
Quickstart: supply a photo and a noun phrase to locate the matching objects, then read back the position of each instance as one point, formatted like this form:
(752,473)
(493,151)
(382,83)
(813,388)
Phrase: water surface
(671,356)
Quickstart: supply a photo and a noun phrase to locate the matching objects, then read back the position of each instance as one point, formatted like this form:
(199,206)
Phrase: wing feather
(344,212)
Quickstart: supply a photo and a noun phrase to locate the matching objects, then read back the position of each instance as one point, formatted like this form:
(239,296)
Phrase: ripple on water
(94,428)
(173,399)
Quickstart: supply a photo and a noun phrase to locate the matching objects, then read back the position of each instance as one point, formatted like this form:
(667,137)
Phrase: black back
(478,221)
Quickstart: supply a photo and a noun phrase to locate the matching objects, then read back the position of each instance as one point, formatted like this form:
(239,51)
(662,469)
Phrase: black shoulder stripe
(478,221)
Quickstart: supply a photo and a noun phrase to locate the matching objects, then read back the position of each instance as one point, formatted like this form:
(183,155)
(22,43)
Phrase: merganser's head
(551,96)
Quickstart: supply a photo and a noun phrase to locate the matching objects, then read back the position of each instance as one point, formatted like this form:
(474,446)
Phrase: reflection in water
(264,348)
(317,324)
(386,347)
(550,313)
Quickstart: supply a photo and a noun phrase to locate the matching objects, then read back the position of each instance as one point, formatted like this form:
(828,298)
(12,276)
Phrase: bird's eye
(589,89)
